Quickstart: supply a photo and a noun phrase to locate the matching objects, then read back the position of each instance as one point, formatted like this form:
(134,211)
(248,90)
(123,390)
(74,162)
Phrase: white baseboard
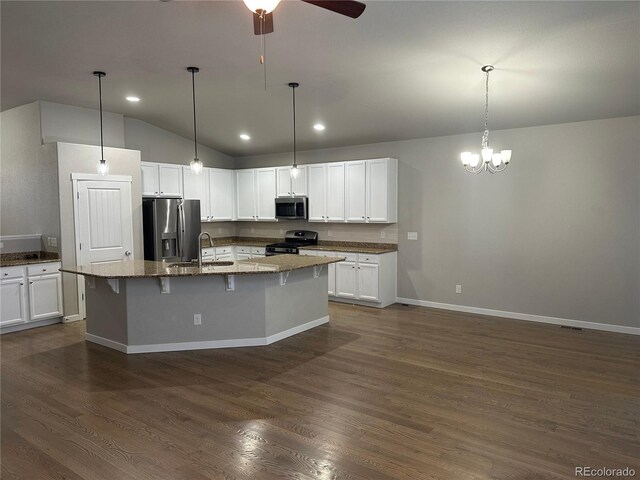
(72,318)
(27,325)
(209,344)
(523,316)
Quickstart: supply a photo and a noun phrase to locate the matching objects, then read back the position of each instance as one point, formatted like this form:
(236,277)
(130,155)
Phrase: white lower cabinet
(346,280)
(368,282)
(30,293)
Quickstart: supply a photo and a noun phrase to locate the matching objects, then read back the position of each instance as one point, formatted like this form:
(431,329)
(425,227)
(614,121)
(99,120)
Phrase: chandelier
(491,162)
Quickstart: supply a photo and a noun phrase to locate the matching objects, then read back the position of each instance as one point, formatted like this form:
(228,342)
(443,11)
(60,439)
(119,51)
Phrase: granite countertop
(27,258)
(330,246)
(147,269)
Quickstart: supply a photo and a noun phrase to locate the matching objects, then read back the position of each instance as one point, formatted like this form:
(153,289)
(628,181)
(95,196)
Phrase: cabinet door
(170,180)
(245,189)
(331,272)
(284,182)
(335,192)
(266,193)
(196,187)
(317,192)
(12,302)
(221,193)
(346,279)
(299,184)
(149,179)
(45,296)
(355,180)
(368,282)
(377,190)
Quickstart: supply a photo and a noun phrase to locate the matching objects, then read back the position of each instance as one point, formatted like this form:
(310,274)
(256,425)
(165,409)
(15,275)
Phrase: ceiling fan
(263,11)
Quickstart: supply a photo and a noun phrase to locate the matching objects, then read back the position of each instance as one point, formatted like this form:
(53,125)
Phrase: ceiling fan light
(487,153)
(474,160)
(506,156)
(267,6)
(466,158)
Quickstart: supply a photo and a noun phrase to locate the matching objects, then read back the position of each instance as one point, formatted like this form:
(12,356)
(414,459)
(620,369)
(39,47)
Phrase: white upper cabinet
(161,179)
(382,191)
(335,192)
(221,194)
(150,185)
(196,187)
(317,192)
(245,194)
(266,193)
(355,188)
(291,187)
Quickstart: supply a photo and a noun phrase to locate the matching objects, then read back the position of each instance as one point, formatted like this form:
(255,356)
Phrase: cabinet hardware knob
(44,269)
(21,283)
(30,283)
(362,217)
(6,274)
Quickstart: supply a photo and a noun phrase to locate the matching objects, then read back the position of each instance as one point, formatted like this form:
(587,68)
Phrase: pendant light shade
(196,163)
(102,167)
(295,171)
(264,6)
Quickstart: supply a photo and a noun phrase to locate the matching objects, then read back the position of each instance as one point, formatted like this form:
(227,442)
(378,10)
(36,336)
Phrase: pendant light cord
(195,130)
(295,163)
(101,131)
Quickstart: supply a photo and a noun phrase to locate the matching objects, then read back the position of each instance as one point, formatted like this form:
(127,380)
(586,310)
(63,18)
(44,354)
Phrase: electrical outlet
(197,319)
(53,241)
(1,244)
(382,234)
(329,234)
(412,235)
(458,288)
(281,231)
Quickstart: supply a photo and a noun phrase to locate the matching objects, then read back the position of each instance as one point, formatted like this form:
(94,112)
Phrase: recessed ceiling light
(319,127)
(244,136)
(132,98)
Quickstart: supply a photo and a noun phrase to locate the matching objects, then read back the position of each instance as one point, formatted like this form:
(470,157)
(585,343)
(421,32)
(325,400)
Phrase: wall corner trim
(523,316)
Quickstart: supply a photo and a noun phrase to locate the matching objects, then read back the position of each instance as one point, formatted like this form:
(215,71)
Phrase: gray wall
(557,234)
(158,145)
(29,197)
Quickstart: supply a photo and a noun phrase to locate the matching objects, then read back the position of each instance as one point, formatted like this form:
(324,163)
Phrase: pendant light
(295,171)
(491,162)
(196,163)
(261,6)
(103,168)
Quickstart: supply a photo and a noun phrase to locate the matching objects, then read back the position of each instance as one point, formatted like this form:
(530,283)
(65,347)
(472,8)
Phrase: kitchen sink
(204,264)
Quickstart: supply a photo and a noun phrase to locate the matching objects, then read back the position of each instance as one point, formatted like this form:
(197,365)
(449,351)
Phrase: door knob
(127,253)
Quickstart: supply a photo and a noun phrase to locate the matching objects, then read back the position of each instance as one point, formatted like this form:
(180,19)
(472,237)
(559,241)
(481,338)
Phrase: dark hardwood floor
(399,393)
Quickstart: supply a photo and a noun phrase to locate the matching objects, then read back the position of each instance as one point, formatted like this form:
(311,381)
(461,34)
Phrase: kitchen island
(142,306)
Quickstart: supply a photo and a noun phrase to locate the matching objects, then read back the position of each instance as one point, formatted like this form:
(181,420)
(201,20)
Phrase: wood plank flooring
(399,393)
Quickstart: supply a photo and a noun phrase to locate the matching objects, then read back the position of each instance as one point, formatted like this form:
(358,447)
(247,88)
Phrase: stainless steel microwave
(292,208)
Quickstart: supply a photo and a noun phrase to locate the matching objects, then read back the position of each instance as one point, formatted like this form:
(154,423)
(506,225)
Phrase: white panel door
(150,184)
(317,192)
(245,194)
(12,302)
(266,193)
(355,180)
(335,192)
(45,296)
(284,182)
(368,282)
(221,193)
(170,180)
(377,190)
(196,187)
(346,279)
(299,184)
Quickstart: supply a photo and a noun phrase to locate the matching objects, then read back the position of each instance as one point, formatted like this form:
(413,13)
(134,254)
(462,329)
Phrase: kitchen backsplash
(220,229)
(371,233)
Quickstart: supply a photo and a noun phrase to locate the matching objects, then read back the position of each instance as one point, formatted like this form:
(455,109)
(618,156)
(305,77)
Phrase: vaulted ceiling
(402,70)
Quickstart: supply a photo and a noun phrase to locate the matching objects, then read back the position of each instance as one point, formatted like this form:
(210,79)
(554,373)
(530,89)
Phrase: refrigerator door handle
(181,222)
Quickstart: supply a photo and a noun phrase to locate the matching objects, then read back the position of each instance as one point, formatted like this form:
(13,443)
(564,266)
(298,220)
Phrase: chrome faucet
(200,246)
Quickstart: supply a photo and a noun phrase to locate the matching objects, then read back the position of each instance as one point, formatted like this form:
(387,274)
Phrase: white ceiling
(402,70)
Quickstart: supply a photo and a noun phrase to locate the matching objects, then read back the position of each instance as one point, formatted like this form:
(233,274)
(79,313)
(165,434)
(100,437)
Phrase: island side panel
(155,318)
(294,306)
(106,313)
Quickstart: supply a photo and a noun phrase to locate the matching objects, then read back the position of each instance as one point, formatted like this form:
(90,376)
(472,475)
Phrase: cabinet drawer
(349,257)
(223,250)
(242,249)
(257,250)
(326,254)
(309,253)
(368,258)
(208,252)
(11,272)
(43,269)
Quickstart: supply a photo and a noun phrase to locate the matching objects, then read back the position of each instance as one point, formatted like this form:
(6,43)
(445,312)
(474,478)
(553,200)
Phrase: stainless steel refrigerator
(170,227)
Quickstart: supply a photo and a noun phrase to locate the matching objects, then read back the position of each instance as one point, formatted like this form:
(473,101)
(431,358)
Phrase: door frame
(76,178)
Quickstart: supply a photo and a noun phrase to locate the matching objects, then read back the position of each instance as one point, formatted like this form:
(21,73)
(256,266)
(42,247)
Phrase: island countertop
(148,269)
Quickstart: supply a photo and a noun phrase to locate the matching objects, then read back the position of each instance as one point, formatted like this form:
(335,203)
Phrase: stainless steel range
(293,241)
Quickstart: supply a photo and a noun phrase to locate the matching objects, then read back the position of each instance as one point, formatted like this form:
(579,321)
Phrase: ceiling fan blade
(349,8)
(267,25)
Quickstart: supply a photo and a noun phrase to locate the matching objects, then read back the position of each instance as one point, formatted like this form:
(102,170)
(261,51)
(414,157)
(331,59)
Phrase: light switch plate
(197,319)
(412,235)
(458,288)
(382,234)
